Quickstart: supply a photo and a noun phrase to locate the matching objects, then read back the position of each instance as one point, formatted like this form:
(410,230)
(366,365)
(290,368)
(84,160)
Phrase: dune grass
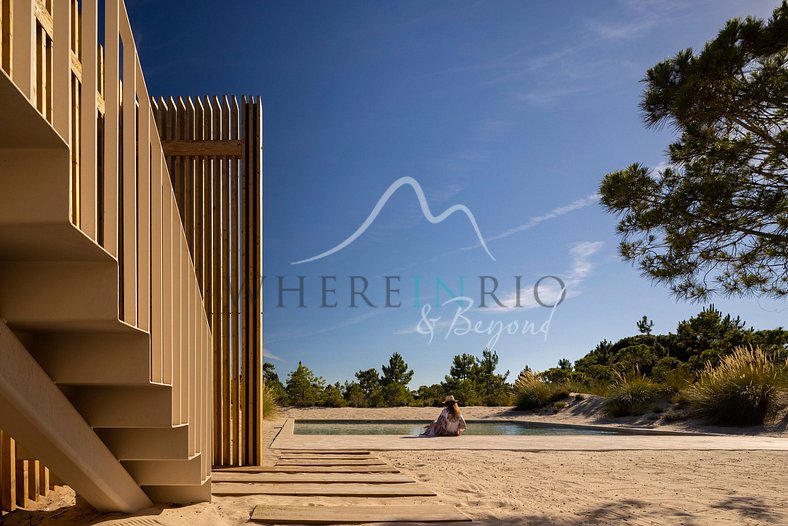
(743,390)
(270,405)
(632,396)
(531,392)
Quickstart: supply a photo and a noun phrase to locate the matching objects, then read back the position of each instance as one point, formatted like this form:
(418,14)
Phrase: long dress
(445,425)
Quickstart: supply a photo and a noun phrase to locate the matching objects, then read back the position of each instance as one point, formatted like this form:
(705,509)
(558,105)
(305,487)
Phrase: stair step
(64,295)
(165,472)
(190,494)
(123,406)
(147,444)
(77,358)
(58,241)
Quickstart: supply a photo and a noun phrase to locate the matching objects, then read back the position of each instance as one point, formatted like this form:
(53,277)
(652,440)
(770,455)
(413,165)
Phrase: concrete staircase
(107,404)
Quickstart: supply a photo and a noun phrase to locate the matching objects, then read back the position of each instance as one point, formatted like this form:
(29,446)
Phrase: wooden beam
(328,490)
(314,478)
(311,469)
(203,148)
(417,513)
(45,18)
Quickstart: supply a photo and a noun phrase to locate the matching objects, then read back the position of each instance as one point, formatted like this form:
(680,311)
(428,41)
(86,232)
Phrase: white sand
(520,488)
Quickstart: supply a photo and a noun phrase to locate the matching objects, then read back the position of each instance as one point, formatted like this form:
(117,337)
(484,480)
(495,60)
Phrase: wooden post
(8,486)
(33,470)
(21,483)
(43,480)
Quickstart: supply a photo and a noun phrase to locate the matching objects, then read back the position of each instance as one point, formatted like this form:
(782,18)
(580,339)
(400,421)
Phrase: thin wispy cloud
(267,354)
(581,253)
(624,30)
(534,221)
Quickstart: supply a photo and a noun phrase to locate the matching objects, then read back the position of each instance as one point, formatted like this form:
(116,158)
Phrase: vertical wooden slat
(221,286)
(88,129)
(156,257)
(188,174)
(191,380)
(143,204)
(24,40)
(40,65)
(199,173)
(8,486)
(231,121)
(61,70)
(207,206)
(168,317)
(247,278)
(7,36)
(177,314)
(76,140)
(186,342)
(130,271)
(176,174)
(111,124)
(257,292)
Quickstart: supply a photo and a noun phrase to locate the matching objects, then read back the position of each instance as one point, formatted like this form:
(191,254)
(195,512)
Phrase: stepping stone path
(319,473)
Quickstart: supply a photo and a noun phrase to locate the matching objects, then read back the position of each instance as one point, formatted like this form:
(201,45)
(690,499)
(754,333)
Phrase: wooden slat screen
(213,149)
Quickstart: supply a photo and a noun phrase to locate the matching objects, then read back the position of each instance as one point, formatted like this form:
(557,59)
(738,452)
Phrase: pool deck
(286,440)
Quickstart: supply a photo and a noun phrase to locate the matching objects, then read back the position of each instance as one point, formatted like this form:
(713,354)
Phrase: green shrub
(632,396)
(742,390)
(558,406)
(531,392)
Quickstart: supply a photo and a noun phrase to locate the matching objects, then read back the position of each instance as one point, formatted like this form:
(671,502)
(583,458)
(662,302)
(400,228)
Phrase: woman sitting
(449,423)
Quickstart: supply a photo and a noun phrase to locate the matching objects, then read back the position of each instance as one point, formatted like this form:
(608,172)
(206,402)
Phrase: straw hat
(449,398)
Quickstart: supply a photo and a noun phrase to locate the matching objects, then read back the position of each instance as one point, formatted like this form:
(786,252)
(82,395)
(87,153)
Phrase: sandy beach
(519,488)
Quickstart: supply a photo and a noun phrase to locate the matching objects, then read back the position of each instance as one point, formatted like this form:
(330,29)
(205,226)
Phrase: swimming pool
(415,427)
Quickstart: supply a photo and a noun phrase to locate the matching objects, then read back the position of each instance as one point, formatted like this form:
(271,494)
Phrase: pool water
(415,427)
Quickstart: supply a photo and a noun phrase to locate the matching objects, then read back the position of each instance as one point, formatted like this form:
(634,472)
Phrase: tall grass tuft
(742,390)
(531,392)
(270,406)
(632,396)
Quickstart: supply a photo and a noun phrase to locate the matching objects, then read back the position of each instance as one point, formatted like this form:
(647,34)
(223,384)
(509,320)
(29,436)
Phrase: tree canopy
(714,219)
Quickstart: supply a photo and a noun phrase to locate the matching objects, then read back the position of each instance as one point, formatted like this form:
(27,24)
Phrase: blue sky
(514,109)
